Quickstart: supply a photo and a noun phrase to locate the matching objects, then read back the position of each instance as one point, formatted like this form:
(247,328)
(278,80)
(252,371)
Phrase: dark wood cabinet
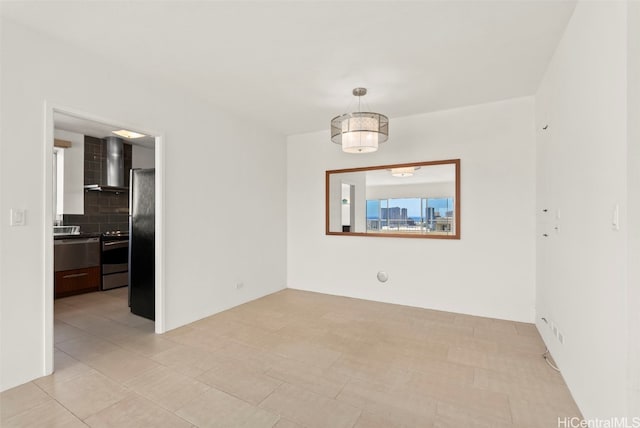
(77,281)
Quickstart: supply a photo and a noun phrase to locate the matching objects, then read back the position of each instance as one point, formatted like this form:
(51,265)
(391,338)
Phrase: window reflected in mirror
(418,200)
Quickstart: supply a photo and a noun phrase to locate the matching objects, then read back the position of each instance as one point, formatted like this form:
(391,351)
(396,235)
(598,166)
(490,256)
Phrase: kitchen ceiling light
(128,134)
(360,132)
(406,171)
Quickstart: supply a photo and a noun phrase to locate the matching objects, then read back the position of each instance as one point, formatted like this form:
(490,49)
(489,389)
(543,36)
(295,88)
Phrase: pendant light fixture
(360,132)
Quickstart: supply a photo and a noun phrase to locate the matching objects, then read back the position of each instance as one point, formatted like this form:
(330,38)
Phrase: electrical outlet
(239,285)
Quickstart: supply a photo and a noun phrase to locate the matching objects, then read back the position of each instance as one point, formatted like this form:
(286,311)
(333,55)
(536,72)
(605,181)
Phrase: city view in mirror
(406,200)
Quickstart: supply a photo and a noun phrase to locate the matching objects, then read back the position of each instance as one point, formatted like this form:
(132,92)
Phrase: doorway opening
(103,235)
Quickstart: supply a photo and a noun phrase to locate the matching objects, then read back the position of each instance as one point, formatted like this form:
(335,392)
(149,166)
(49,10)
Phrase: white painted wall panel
(582,175)
(73,195)
(633,214)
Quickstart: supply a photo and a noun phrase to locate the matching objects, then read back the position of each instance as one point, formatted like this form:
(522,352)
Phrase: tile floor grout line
(510,409)
(61,404)
(269,395)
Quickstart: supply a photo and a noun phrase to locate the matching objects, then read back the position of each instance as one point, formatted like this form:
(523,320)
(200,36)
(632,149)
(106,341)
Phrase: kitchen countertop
(78,236)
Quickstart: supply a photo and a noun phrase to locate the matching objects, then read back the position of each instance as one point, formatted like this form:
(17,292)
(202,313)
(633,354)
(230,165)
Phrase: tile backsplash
(103,211)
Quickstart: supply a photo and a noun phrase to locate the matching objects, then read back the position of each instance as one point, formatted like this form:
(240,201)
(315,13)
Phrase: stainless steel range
(115,259)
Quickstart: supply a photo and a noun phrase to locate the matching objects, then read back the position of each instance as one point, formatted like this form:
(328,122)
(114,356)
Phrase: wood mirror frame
(429,220)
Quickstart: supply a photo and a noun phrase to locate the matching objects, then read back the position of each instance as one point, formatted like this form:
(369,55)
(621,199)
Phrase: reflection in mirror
(418,200)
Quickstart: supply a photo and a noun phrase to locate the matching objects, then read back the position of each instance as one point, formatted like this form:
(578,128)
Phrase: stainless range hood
(114,167)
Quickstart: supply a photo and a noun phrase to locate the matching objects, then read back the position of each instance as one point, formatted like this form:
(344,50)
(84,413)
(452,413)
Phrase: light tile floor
(291,359)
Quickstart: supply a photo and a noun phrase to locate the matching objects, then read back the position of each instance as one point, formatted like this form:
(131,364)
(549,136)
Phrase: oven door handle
(115,244)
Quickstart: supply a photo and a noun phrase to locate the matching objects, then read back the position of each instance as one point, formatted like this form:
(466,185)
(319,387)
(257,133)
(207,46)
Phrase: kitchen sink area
(66,230)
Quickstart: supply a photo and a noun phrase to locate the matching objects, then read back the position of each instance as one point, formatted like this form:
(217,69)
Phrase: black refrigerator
(142,223)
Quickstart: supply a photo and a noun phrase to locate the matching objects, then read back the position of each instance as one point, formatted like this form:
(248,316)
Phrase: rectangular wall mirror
(411,200)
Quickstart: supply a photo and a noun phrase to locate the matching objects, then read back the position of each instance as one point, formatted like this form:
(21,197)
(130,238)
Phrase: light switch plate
(17,217)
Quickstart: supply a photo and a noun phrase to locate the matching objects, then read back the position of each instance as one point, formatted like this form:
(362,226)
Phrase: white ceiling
(291,65)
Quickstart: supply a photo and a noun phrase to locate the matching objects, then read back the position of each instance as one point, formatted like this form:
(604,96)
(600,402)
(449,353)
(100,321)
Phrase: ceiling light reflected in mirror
(404,172)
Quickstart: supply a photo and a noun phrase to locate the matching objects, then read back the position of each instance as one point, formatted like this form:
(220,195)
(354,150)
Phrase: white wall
(633,193)
(73,195)
(489,271)
(213,161)
(346,208)
(582,172)
(142,157)
(58,191)
(357,206)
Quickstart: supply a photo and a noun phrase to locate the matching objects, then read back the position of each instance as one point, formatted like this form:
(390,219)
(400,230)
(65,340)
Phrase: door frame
(49,110)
